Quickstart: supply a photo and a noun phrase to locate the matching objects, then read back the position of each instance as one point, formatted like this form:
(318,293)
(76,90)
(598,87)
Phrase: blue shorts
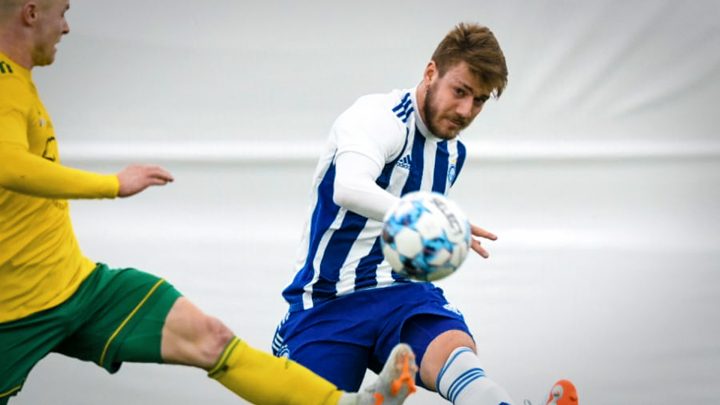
(340,339)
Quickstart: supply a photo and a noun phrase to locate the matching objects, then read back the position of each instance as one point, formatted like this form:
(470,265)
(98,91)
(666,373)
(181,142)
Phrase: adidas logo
(405,162)
(5,68)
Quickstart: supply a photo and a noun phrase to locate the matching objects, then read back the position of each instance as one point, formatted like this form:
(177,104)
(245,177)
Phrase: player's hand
(136,178)
(475,244)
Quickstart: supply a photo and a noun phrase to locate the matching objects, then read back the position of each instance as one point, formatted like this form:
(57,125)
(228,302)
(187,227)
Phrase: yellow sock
(264,379)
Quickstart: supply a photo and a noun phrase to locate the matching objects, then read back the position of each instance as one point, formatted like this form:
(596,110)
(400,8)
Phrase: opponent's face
(452,101)
(50,27)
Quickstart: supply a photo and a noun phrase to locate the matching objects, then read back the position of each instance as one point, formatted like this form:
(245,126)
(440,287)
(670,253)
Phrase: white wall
(599,169)
(179,70)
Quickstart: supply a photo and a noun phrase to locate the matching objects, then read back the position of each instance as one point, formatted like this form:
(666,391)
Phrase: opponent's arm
(26,173)
(136,178)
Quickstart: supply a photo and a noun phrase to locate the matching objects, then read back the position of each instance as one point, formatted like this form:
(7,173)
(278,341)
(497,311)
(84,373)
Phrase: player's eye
(479,101)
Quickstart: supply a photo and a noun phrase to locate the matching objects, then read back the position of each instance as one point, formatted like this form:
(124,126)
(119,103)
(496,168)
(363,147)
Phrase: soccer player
(346,308)
(54,299)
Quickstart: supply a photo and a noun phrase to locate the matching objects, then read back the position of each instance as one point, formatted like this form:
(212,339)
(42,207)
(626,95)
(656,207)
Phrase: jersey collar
(16,68)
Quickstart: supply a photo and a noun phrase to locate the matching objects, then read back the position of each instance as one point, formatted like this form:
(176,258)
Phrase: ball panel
(429,226)
(408,242)
(425,236)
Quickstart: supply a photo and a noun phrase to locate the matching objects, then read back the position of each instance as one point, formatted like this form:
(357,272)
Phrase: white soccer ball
(425,236)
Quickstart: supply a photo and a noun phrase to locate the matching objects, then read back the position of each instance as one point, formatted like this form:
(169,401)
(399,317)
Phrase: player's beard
(430,110)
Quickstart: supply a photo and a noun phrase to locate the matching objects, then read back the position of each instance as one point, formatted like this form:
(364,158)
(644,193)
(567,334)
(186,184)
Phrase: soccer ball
(425,236)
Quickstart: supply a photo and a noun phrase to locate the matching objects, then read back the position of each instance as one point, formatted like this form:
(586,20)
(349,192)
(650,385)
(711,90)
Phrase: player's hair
(8,7)
(7,4)
(477,46)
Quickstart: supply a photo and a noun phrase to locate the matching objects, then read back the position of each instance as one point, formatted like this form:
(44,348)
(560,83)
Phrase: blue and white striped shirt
(340,250)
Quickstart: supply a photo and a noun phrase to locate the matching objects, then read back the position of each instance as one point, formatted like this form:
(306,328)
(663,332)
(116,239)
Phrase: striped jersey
(340,250)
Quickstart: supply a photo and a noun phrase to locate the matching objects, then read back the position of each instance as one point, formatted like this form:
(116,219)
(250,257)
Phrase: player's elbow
(343,196)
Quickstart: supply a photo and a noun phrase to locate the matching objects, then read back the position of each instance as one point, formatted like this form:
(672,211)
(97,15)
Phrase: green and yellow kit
(41,264)
(52,297)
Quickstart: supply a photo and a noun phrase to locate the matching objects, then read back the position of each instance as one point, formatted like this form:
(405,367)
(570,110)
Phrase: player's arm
(356,190)
(368,136)
(26,173)
(355,187)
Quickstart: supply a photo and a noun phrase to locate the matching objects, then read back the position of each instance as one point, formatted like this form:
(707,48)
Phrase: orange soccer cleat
(563,393)
(397,379)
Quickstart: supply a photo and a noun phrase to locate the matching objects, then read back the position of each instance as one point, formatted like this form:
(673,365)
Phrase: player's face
(51,26)
(452,101)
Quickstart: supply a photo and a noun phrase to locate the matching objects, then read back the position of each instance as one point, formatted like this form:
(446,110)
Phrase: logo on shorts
(279,347)
(284,351)
(452,309)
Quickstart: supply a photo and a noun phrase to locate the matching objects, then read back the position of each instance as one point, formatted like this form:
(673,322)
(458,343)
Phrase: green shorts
(116,315)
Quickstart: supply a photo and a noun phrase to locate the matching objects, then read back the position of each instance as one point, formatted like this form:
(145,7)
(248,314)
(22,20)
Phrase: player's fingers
(477,247)
(156,181)
(167,177)
(160,173)
(477,231)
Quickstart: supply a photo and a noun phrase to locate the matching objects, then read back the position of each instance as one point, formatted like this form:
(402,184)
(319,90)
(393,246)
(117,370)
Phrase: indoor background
(599,169)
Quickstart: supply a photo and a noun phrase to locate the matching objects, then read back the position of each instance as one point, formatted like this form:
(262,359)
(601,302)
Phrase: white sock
(462,381)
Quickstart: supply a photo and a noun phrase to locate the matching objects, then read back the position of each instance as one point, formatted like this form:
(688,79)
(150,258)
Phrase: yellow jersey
(41,264)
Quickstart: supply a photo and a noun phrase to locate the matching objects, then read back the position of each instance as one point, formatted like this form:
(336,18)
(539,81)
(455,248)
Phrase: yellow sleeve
(15,104)
(25,173)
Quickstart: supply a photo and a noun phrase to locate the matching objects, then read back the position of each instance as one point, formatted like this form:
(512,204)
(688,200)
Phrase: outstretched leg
(190,337)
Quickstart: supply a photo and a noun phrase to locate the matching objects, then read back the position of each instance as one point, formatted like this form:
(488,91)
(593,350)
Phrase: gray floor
(605,273)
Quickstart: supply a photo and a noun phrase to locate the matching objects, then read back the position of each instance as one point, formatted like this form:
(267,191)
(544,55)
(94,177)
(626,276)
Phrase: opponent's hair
(477,46)
(8,7)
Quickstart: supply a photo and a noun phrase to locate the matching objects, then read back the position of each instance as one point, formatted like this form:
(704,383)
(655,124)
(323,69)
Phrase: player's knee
(438,352)
(216,336)
(193,338)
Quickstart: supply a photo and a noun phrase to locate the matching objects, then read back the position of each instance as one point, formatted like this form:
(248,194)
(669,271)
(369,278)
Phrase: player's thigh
(430,335)
(128,311)
(343,364)
(25,341)
(328,341)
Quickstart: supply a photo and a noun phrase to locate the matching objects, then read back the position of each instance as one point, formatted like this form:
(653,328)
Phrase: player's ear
(430,72)
(30,12)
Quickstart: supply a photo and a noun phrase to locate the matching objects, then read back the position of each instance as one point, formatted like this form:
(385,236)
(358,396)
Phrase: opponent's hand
(478,232)
(136,178)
